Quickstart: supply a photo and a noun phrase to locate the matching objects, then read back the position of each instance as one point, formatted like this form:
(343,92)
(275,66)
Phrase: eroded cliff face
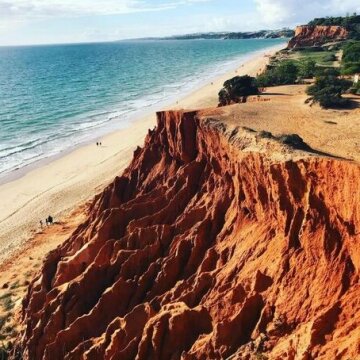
(206,248)
(316,35)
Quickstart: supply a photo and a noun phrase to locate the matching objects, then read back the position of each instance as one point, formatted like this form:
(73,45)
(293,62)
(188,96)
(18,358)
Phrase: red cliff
(316,35)
(206,248)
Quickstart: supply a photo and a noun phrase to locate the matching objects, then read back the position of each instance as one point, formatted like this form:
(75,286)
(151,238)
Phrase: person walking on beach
(46,221)
(41,223)
(50,220)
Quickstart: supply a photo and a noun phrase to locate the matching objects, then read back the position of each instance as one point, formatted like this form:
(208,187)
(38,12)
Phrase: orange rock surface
(307,35)
(206,248)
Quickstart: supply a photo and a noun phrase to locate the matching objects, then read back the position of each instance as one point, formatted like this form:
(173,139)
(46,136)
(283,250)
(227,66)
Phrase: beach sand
(61,185)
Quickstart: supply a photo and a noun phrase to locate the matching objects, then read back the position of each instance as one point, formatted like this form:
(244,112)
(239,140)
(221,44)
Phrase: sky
(25,22)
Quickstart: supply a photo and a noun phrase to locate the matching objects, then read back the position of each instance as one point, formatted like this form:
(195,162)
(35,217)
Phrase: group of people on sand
(48,221)
(98,143)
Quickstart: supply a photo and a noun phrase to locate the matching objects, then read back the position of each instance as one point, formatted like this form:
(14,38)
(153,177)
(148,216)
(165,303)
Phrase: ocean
(56,97)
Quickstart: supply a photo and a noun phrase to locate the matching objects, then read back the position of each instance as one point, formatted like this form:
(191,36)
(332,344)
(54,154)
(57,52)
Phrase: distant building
(356,78)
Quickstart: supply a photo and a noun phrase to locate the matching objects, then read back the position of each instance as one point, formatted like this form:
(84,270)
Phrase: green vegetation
(349,69)
(15,285)
(3,320)
(237,87)
(351,58)
(290,67)
(351,51)
(351,23)
(293,140)
(4,332)
(307,68)
(283,73)
(304,66)
(345,21)
(322,57)
(330,58)
(6,301)
(326,71)
(355,89)
(266,134)
(328,89)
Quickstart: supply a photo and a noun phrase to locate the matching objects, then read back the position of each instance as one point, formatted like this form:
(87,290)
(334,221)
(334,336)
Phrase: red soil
(316,35)
(204,250)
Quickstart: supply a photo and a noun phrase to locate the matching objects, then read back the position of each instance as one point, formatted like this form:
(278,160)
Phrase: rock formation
(206,247)
(307,35)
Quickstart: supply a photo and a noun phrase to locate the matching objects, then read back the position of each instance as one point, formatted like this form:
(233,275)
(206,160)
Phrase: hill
(261,34)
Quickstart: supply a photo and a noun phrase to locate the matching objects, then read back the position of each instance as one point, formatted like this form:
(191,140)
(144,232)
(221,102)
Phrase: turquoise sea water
(55,97)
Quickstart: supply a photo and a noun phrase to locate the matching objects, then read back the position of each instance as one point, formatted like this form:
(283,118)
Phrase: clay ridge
(205,249)
(307,35)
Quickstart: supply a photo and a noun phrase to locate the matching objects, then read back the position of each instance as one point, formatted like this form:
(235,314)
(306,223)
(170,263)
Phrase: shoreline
(57,185)
(101,132)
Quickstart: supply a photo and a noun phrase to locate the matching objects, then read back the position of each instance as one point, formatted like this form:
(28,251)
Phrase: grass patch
(15,285)
(8,304)
(322,58)
(350,63)
(7,301)
(3,320)
(4,296)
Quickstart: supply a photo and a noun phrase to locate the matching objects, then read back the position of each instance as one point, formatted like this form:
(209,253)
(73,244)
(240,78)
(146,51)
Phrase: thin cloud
(285,12)
(26,9)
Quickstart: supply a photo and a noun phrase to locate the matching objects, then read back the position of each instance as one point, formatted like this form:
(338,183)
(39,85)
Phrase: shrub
(307,68)
(351,58)
(355,89)
(326,71)
(327,91)
(351,52)
(6,301)
(350,68)
(266,134)
(2,322)
(294,140)
(285,73)
(237,87)
(330,57)
(340,20)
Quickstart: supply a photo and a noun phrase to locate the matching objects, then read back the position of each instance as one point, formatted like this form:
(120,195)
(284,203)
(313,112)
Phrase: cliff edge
(213,244)
(307,35)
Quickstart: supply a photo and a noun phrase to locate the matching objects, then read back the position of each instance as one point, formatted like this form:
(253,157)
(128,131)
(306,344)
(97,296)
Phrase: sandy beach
(61,185)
